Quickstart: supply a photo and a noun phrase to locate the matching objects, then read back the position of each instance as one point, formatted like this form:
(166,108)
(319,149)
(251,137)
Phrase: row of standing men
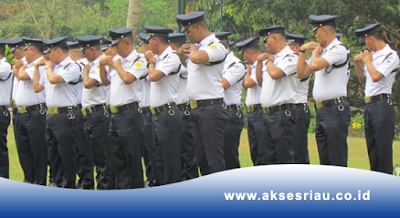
(178,104)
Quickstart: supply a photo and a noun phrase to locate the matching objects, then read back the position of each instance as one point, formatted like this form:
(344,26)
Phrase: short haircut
(178,44)
(128,38)
(378,35)
(163,40)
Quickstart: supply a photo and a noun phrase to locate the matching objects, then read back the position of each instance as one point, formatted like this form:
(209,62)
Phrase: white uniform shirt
(254,93)
(25,95)
(145,91)
(16,81)
(233,72)
(281,91)
(82,63)
(302,91)
(121,93)
(98,93)
(384,61)
(63,94)
(182,86)
(334,84)
(165,90)
(5,82)
(204,82)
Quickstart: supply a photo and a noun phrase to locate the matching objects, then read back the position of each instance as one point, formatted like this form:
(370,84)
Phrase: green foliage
(313,120)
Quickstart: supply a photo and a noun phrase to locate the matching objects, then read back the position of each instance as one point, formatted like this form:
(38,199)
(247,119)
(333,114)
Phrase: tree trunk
(134,14)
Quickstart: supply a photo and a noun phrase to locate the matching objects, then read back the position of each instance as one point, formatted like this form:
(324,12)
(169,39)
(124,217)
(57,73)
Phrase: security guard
(17,48)
(95,111)
(205,62)
(233,74)
(255,123)
(84,151)
(5,92)
(164,66)
(146,125)
(107,48)
(330,64)
(31,127)
(125,69)
(380,66)
(279,87)
(188,153)
(61,97)
(302,122)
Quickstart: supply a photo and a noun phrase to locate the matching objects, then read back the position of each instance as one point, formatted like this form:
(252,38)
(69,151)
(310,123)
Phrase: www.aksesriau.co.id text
(298,196)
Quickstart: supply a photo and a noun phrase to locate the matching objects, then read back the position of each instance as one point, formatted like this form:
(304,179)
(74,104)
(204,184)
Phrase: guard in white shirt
(96,114)
(5,92)
(379,72)
(61,97)
(302,122)
(204,61)
(255,123)
(125,69)
(233,74)
(164,66)
(188,152)
(279,88)
(83,150)
(31,106)
(17,48)
(148,149)
(331,67)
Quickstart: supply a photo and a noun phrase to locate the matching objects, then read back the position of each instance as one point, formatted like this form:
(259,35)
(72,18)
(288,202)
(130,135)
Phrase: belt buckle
(84,111)
(113,109)
(193,104)
(22,110)
(320,104)
(152,110)
(266,110)
(53,110)
(367,99)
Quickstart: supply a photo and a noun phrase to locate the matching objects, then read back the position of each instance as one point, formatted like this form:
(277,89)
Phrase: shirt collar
(165,53)
(97,60)
(131,56)
(35,61)
(333,43)
(207,40)
(65,62)
(385,50)
(283,52)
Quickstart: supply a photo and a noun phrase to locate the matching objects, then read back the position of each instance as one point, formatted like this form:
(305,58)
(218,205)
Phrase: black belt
(372,99)
(282,107)
(328,103)
(195,104)
(125,107)
(144,110)
(37,107)
(89,110)
(158,110)
(183,107)
(302,105)
(60,110)
(253,108)
(233,107)
(3,108)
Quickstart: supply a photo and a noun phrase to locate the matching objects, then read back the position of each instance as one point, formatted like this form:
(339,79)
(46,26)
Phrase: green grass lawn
(358,157)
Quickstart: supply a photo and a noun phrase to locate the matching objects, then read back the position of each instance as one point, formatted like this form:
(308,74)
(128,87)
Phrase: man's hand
(366,56)
(18,64)
(150,56)
(49,64)
(86,68)
(184,49)
(41,62)
(263,57)
(309,46)
(107,61)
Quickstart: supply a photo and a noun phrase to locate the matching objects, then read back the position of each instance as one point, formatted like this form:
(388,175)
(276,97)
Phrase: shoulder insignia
(388,60)
(212,46)
(98,68)
(139,64)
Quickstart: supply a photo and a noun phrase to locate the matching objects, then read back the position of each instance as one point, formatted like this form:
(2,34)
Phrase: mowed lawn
(358,156)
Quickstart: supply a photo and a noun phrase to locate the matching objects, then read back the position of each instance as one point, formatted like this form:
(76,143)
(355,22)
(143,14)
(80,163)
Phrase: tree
(133,17)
